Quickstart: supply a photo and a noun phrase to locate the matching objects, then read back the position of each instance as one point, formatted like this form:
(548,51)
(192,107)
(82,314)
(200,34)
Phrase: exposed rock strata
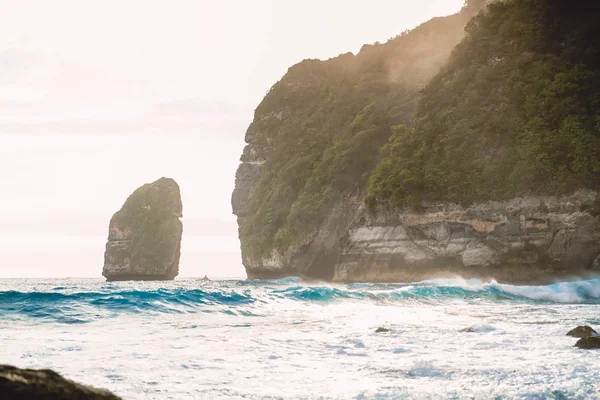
(144,238)
(525,239)
(28,384)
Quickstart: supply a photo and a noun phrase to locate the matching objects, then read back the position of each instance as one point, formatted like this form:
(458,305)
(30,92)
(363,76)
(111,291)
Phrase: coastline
(512,275)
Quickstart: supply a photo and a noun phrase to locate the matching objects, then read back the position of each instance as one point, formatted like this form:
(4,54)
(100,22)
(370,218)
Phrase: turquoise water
(284,339)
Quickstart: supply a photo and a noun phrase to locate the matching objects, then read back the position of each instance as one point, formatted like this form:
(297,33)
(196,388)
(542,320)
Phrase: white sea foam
(424,369)
(221,340)
(467,284)
(564,292)
(567,292)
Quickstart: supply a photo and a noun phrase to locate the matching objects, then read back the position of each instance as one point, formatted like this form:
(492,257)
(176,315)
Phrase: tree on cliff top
(515,111)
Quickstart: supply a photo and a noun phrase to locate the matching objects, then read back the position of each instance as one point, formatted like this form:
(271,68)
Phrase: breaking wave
(250,298)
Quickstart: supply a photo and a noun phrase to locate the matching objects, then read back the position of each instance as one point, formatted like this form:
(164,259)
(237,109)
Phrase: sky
(100,97)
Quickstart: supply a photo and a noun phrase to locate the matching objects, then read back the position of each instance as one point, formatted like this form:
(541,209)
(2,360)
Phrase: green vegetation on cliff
(515,111)
(320,128)
(151,215)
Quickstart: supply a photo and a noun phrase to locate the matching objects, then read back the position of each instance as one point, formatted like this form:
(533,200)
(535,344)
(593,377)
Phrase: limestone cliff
(316,137)
(144,238)
(525,239)
(439,152)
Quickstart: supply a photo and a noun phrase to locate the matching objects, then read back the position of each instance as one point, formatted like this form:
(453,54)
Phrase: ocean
(285,339)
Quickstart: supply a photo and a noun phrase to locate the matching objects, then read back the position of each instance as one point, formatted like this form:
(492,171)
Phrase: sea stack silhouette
(144,236)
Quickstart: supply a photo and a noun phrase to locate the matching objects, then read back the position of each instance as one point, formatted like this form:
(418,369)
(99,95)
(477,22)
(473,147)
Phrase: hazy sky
(98,97)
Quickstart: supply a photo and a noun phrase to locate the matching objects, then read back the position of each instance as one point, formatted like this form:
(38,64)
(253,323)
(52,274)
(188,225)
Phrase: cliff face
(314,140)
(490,165)
(144,238)
(525,239)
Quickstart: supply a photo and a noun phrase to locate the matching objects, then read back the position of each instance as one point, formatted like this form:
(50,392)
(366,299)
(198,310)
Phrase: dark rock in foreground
(590,342)
(29,384)
(144,237)
(582,332)
(382,330)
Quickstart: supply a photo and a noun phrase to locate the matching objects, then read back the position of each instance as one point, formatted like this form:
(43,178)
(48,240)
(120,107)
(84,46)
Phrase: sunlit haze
(100,97)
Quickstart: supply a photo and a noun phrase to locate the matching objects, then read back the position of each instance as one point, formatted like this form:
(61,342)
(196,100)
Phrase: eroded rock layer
(520,240)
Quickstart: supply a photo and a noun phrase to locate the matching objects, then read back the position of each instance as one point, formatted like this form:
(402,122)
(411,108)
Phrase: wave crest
(61,304)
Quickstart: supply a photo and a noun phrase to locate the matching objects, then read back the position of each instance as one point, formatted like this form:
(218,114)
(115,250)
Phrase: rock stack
(144,236)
